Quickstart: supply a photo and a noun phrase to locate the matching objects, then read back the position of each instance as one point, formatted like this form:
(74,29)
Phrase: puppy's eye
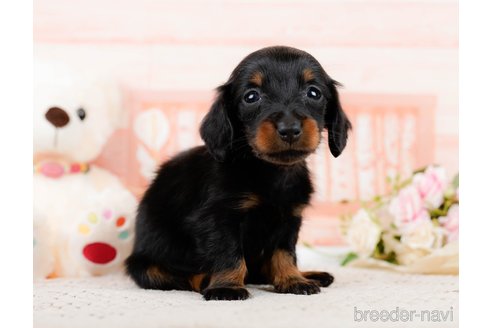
(314,93)
(251,96)
(81,113)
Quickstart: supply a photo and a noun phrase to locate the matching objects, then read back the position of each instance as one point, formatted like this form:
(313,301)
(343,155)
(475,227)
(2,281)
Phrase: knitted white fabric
(114,301)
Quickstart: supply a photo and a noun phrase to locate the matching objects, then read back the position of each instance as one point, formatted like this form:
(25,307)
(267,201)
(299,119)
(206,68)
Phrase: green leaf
(437,212)
(349,258)
(307,244)
(391,258)
(420,170)
(456,180)
(379,250)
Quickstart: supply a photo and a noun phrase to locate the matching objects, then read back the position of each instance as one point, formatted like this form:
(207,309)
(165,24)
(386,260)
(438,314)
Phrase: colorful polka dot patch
(120,222)
(93,220)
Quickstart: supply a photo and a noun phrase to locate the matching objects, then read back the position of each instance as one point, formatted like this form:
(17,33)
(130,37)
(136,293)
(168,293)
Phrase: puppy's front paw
(300,287)
(225,294)
(323,279)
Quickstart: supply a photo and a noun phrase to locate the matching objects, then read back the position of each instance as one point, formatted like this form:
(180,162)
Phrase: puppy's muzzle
(287,139)
(289,130)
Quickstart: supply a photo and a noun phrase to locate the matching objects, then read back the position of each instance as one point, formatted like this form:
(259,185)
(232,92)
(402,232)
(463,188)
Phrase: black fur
(337,123)
(233,205)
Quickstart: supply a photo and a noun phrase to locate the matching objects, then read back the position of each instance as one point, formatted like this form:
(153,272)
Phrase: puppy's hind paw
(323,279)
(299,287)
(225,294)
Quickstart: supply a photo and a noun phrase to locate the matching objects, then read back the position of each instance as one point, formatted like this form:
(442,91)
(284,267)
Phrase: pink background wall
(398,61)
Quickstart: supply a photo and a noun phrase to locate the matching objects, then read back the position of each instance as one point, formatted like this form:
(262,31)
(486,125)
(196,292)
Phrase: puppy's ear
(336,121)
(216,128)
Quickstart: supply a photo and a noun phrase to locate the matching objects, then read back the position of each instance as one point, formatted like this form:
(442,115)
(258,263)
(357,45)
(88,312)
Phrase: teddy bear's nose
(57,116)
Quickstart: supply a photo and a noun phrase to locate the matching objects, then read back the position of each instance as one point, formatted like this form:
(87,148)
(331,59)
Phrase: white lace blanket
(114,301)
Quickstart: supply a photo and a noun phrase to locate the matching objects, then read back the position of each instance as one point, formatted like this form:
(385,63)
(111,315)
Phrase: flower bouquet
(412,229)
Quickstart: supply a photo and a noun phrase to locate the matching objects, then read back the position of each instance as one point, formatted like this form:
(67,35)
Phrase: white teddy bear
(83,215)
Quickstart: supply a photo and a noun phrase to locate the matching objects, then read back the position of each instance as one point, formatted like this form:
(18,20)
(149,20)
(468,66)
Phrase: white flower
(431,185)
(410,255)
(363,234)
(405,255)
(419,235)
(439,234)
(385,219)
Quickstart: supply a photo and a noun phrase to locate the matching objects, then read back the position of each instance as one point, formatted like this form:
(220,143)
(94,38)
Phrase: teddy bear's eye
(81,113)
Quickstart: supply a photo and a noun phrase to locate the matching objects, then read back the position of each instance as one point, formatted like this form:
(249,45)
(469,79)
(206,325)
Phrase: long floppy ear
(216,128)
(336,122)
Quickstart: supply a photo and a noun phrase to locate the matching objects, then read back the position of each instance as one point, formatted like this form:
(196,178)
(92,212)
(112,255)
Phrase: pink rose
(431,185)
(408,207)
(450,222)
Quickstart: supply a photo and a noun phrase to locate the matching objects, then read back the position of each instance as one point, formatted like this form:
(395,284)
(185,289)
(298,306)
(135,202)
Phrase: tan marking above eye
(307,74)
(257,78)
(249,201)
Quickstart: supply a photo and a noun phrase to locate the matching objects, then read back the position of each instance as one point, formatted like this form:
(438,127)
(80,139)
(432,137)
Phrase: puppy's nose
(57,116)
(289,132)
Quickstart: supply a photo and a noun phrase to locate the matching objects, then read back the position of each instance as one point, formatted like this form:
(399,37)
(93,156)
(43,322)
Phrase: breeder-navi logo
(403,315)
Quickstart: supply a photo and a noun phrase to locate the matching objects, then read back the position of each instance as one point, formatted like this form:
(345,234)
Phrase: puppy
(219,216)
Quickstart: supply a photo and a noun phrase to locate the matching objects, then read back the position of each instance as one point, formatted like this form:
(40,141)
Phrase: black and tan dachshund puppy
(219,216)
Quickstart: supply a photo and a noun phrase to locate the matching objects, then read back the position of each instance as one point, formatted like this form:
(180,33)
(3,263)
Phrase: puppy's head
(275,104)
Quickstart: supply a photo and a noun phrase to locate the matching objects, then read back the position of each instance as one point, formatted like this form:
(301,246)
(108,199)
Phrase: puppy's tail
(152,276)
